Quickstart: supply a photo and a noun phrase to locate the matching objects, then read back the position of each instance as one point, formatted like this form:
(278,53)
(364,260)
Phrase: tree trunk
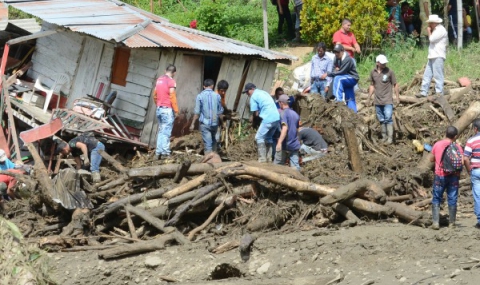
(136,248)
(352,146)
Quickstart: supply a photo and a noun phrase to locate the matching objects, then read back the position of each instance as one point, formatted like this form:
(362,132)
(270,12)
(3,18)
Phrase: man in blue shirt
(321,65)
(208,108)
(5,163)
(288,143)
(263,105)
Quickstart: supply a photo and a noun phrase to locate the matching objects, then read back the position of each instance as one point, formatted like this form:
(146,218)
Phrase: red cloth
(193,24)
(163,85)
(346,39)
(437,151)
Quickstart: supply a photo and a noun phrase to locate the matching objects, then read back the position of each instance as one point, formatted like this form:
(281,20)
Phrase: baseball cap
(249,86)
(382,59)
(283,98)
(338,48)
(3,155)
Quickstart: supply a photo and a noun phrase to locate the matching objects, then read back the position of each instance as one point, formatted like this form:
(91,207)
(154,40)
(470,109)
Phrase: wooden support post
(42,176)
(131,226)
(182,171)
(11,122)
(352,146)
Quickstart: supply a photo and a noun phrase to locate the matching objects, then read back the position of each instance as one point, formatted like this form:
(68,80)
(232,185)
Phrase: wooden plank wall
(57,53)
(150,128)
(260,73)
(133,99)
(231,71)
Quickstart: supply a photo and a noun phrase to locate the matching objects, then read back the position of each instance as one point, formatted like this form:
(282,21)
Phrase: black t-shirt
(312,138)
(90,141)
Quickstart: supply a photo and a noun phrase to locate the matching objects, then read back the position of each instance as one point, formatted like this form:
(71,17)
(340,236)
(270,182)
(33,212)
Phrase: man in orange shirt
(346,38)
(165,97)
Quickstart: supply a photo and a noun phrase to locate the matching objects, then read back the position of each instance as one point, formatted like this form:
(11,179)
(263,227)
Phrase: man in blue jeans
(208,108)
(165,97)
(444,180)
(345,77)
(288,143)
(263,105)
(321,65)
(87,145)
(382,83)
(472,163)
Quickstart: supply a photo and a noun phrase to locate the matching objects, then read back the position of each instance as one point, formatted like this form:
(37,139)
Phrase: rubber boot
(96,177)
(269,152)
(452,216)
(389,134)
(436,216)
(297,35)
(262,152)
(384,132)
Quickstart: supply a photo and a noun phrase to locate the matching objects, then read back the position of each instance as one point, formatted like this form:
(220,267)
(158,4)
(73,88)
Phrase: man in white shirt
(437,51)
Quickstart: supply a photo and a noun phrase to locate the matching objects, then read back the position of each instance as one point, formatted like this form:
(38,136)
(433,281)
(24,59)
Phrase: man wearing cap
(382,83)
(437,52)
(345,77)
(263,105)
(165,97)
(288,143)
(208,108)
(321,64)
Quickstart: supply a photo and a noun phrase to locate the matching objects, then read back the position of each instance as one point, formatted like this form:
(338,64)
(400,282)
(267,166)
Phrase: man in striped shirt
(472,163)
(208,108)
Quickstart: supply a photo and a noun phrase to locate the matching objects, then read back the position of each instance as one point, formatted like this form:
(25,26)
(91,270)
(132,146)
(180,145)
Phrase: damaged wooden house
(105,54)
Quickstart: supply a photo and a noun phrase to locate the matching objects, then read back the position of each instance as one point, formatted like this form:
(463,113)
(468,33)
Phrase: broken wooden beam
(352,147)
(117,165)
(182,171)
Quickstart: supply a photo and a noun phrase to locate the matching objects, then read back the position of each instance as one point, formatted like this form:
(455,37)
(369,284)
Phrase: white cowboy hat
(434,19)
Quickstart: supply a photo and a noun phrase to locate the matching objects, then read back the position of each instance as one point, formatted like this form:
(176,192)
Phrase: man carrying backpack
(448,156)
(472,163)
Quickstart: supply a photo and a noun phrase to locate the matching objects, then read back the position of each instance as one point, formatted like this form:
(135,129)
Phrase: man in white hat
(382,83)
(437,52)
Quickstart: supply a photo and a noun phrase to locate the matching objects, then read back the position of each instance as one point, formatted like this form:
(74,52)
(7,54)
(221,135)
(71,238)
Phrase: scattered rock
(153,261)
(264,268)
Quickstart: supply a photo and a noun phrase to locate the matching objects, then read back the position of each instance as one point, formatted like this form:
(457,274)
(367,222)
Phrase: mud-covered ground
(383,253)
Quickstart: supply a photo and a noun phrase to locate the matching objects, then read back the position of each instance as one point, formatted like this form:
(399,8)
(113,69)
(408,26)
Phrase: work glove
(86,161)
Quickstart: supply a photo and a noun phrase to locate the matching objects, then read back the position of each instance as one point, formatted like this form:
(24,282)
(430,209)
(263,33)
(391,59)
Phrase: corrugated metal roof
(114,20)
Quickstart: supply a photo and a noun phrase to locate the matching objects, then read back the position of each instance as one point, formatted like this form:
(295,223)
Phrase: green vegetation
(238,19)
(321,19)
(405,59)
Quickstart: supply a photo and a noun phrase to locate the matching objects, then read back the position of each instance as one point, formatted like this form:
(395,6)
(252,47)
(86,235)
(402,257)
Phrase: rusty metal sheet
(109,20)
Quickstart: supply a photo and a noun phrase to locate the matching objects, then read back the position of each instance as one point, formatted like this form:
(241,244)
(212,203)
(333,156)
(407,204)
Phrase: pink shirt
(163,85)
(437,151)
(346,39)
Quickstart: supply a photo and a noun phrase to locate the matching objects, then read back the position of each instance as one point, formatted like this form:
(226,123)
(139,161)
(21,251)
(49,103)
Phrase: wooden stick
(400,198)
(182,171)
(112,184)
(11,122)
(114,235)
(352,146)
(215,212)
(157,223)
(438,113)
(353,189)
(226,247)
(131,226)
(139,247)
(117,165)
(345,212)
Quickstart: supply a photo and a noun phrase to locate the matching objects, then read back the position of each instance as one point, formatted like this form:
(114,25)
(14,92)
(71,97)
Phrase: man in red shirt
(443,180)
(346,38)
(165,97)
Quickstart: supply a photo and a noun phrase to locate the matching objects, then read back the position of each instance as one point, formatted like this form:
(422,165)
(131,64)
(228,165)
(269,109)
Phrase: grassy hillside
(237,19)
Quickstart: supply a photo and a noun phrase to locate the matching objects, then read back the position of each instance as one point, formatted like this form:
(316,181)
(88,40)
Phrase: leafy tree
(321,19)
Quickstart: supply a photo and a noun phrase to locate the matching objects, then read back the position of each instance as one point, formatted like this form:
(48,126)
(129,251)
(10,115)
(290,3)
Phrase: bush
(321,19)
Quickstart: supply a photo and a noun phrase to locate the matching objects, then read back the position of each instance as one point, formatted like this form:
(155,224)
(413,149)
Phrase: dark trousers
(281,20)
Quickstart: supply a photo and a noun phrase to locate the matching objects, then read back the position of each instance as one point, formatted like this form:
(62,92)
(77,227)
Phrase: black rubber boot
(452,216)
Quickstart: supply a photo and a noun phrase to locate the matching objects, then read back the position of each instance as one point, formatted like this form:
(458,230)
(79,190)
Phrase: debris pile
(143,205)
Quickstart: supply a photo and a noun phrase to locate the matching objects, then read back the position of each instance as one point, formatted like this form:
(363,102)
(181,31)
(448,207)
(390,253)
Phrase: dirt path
(385,253)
